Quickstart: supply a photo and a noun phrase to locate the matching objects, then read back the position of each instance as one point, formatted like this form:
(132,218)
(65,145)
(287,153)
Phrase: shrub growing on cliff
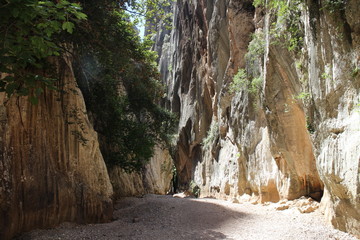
(256,48)
(256,84)
(240,81)
(286,28)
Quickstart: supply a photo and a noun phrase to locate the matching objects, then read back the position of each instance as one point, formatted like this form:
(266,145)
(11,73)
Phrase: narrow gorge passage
(164,217)
(249,101)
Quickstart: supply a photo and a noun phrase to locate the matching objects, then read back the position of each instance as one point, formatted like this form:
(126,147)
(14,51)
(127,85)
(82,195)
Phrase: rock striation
(52,168)
(298,135)
(155,178)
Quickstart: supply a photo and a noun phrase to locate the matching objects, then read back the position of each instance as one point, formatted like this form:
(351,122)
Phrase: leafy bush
(32,31)
(256,47)
(240,81)
(287,29)
(256,85)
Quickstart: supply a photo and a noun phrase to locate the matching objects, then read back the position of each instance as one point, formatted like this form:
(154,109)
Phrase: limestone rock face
(297,136)
(334,51)
(52,168)
(155,178)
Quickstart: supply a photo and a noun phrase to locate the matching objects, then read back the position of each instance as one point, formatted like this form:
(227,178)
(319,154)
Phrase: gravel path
(156,217)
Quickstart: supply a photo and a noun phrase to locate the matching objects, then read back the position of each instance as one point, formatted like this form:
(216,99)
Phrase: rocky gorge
(268,99)
(291,129)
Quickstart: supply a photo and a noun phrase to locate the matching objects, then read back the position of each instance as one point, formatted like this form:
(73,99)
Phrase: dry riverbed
(156,217)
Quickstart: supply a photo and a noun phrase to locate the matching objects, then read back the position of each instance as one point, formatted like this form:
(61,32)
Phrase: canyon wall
(51,165)
(154,178)
(298,133)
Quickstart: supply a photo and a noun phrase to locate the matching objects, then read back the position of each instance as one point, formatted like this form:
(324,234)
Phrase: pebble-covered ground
(154,217)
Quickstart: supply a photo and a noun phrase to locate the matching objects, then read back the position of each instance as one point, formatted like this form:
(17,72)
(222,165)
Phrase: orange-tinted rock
(51,165)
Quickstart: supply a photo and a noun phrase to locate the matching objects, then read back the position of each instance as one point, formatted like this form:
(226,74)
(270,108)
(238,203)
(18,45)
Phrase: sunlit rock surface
(51,165)
(274,145)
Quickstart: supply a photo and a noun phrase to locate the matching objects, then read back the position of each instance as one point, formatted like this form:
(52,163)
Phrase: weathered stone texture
(334,50)
(155,178)
(272,146)
(52,168)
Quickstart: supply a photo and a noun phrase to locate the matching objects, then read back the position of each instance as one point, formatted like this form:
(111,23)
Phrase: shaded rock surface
(154,178)
(52,168)
(271,145)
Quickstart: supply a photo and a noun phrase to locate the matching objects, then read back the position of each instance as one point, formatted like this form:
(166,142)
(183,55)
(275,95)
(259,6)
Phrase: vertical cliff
(155,177)
(289,128)
(332,40)
(51,165)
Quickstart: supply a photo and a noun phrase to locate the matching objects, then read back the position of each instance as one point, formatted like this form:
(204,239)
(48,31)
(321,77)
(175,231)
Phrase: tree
(30,33)
(115,69)
(122,79)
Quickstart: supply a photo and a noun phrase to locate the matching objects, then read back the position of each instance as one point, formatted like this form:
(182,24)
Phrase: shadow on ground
(153,217)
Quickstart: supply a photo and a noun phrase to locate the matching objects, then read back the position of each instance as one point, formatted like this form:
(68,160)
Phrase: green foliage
(303,96)
(256,48)
(259,3)
(325,76)
(170,68)
(287,28)
(30,33)
(116,71)
(299,65)
(240,81)
(212,134)
(125,140)
(334,6)
(158,11)
(129,125)
(256,85)
(254,57)
(119,78)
